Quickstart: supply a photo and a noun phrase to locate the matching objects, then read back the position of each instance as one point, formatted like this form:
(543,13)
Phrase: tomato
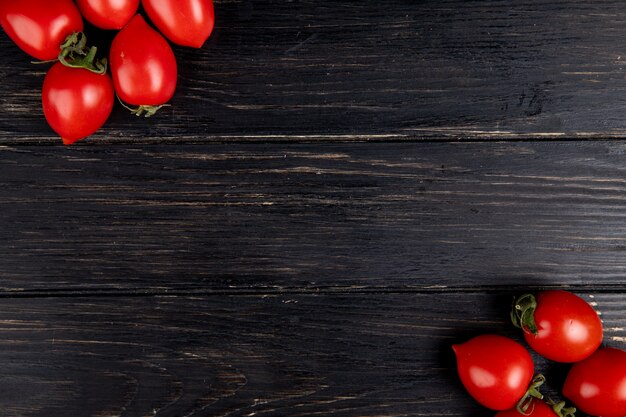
(597,385)
(143,65)
(39,27)
(558,325)
(108,14)
(184,22)
(536,408)
(76,101)
(495,370)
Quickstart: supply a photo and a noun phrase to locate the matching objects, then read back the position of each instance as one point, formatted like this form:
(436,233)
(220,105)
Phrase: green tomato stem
(142,110)
(562,411)
(533,392)
(523,313)
(75,54)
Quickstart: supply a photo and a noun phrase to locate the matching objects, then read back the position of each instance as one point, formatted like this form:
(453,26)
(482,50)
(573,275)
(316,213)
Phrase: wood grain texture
(288,70)
(358,217)
(284,355)
(187,272)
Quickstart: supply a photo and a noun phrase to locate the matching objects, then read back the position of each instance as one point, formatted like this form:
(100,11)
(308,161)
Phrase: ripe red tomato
(184,22)
(558,325)
(495,370)
(143,65)
(536,408)
(76,102)
(108,14)
(597,385)
(39,27)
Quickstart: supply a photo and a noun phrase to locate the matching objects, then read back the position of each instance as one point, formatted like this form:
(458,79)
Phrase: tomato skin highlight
(184,22)
(597,385)
(39,27)
(568,328)
(76,102)
(143,65)
(108,14)
(537,408)
(495,370)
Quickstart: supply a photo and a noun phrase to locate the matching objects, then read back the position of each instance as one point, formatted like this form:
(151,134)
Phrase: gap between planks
(293,139)
(334,290)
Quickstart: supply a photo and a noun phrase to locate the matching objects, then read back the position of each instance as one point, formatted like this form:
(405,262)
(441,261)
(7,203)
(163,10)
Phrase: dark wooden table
(339,192)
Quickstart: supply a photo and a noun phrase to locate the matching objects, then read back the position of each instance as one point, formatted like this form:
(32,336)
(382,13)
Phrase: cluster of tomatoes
(560,326)
(78,92)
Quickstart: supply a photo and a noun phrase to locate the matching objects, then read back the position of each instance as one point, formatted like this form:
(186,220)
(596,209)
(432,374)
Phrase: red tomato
(76,102)
(495,370)
(143,65)
(108,14)
(597,385)
(39,27)
(559,325)
(537,408)
(184,22)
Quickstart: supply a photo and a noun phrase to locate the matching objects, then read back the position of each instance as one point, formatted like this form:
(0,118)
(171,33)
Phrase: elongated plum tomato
(558,325)
(597,385)
(495,370)
(143,65)
(39,27)
(108,14)
(76,102)
(184,22)
(536,408)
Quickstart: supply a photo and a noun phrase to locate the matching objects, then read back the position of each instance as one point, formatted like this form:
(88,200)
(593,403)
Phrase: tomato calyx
(142,110)
(75,54)
(523,313)
(525,403)
(562,411)
(533,392)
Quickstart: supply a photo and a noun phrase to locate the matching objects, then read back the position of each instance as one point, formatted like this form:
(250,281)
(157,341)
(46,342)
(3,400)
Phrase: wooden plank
(434,69)
(359,217)
(285,355)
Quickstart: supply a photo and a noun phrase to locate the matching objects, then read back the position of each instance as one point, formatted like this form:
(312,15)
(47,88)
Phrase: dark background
(339,192)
